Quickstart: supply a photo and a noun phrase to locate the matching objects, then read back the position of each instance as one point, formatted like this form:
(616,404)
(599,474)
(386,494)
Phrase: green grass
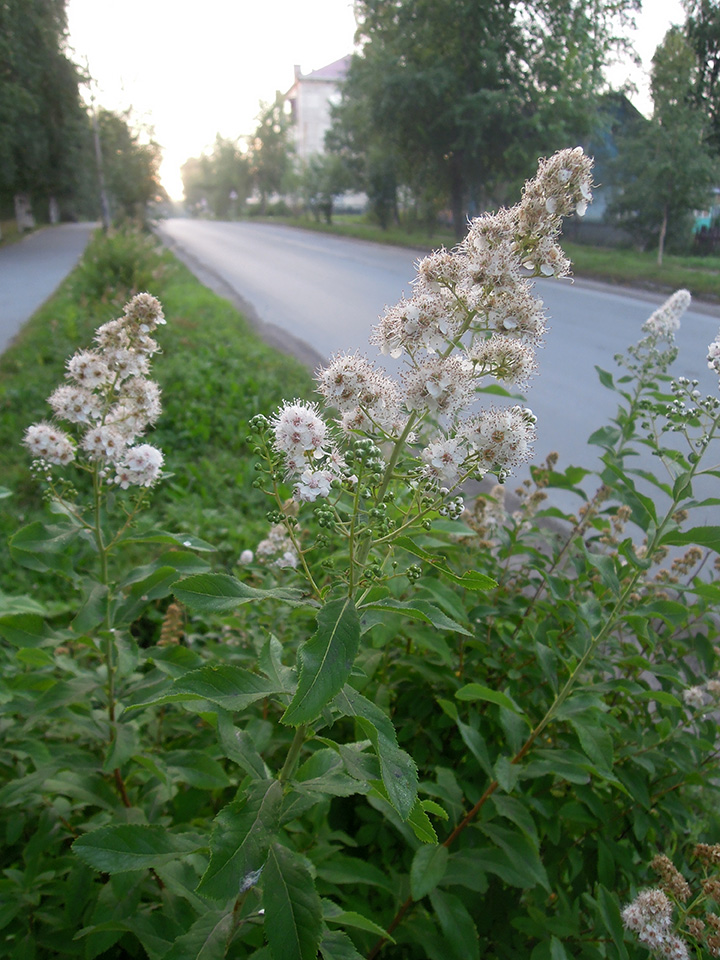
(215,375)
(699,275)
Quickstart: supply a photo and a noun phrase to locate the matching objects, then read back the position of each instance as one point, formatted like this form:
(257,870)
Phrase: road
(32,269)
(326,292)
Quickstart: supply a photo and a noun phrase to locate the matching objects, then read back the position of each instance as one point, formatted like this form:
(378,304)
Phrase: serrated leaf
(27,630)
(429,806)
(220,593)
(131,846)
(427,869)
(397,767)
(471,579)
(242,833)
(596,743)
(701,536)
(293,913)
(226,685)
(325,661)
(206,939)
(336,945)
(41,546)
(420,610)
(238,746)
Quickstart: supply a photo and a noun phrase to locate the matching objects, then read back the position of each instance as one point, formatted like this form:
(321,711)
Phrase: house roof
(333,71)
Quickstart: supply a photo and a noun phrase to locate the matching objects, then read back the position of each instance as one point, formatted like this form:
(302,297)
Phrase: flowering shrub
(408,726)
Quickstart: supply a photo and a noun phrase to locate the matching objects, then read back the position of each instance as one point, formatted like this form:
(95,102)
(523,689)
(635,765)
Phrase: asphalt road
(32,269)
(313,294)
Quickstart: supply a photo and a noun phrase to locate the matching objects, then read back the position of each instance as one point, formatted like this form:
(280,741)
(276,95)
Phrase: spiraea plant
(406,727)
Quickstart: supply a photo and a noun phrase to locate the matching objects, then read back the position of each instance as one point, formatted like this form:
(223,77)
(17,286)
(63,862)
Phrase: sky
(192,69)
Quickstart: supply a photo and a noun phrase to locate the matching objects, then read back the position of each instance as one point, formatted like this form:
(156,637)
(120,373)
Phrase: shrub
(409,727)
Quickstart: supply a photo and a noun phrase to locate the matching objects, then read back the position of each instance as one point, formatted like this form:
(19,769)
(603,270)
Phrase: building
(310,99)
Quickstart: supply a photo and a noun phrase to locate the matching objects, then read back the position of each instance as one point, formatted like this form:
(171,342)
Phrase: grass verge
(215,374)
(699,275)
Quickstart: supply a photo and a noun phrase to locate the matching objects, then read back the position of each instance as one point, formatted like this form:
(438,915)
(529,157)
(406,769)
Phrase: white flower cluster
(472,314)
(695,696)
(110,400)
(301,435)
(276,549)
(665,321)
(714,355)
(650,917)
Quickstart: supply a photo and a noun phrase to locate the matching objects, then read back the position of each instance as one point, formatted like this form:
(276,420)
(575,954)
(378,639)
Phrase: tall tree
(466,92)
(665,167)
(271,150)
(219,182)
(702,28)
(131,165)
(44,132)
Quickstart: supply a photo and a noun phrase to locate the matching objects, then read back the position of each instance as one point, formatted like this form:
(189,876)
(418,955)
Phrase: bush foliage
(403,729)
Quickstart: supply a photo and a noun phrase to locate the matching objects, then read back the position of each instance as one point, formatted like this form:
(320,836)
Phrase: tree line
(47,142)
(448,104)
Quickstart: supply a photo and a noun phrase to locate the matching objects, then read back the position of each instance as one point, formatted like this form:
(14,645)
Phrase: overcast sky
(194,69)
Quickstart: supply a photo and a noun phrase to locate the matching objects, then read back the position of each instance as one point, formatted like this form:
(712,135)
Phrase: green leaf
(475,691)
(459,931)
(472,738)
(522,851)
(173,539)
(226,685)
(206,939)
(557,950)
(506,773)
(196,768)
(27,630)
(242,833)
(596,743)
(610,913)
(293,913)
(471,579)
(397,768)
(220,593)
(427,870)
(332,913)
(660,696)
(351,870)
(238,746)
(702,536)
(605,378)
(325,661)
(131,846)
(141,594)
(92,610)
(336,945)
(44,547)
(324,773)
(420,610)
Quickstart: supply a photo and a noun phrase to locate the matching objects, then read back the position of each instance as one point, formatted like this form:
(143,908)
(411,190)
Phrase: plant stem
(291,761)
